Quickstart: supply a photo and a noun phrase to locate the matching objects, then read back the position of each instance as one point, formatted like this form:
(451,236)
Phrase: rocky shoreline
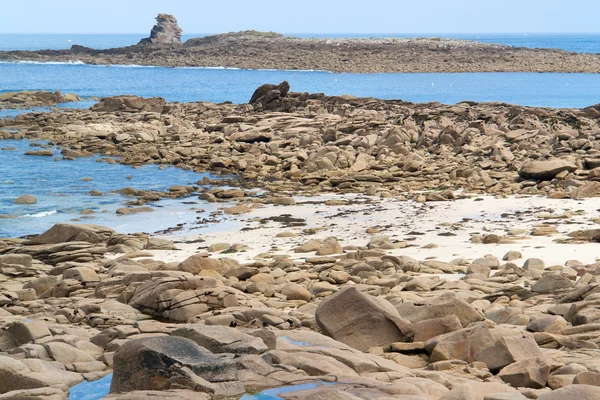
(29,99)
(288,141)
(268,50)
(395,251)
(173,320)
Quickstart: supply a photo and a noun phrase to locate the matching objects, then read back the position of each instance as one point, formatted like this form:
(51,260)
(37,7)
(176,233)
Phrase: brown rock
(165,32)
(530,373)
(545,170)
(360,320)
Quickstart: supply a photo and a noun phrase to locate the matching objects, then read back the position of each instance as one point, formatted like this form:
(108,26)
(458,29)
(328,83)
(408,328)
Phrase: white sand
(397,218)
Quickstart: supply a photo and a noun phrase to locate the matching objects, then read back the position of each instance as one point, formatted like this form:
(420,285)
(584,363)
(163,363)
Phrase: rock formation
(268,50)
(41,98)
(165,32)
(337,297)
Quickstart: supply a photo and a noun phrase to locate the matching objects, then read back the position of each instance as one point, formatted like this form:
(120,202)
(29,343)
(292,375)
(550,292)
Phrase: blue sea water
(218,85)
(94,390)
(580,43)
(62,194)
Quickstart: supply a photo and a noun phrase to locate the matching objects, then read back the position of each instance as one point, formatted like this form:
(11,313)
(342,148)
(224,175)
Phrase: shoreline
(318,247)
(224,127)
(440,218)
(391,216)
(262,51)
(225,68)
(381,248)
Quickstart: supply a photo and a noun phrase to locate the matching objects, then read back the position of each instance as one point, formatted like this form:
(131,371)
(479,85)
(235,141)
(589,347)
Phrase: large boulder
(361,321)
(532,373)
(551,283)
(268,94)
(61,233)
(495,347)
(508,350)
(545,170)
(165,362)
(165,32)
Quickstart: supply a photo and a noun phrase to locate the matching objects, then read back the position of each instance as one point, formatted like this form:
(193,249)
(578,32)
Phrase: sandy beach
(448,225)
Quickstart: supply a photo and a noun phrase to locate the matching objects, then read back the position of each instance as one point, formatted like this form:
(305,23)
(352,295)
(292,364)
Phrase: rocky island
(268,50)
(395,251)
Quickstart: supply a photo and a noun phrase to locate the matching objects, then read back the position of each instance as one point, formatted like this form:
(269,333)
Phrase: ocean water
(219,85)
(580,43)
(62,194)
(94,390)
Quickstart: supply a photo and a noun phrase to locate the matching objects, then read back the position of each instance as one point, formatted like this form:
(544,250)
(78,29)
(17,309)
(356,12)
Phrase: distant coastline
(270,51)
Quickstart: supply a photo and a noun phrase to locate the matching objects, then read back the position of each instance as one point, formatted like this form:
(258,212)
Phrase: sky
(304,16)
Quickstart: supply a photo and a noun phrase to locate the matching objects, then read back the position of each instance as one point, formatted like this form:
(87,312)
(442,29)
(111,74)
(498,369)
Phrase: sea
(62,195)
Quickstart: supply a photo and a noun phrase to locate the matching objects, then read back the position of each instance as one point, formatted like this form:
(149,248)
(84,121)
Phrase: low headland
(268,50)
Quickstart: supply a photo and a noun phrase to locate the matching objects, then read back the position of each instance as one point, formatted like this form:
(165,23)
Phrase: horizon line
(313,33)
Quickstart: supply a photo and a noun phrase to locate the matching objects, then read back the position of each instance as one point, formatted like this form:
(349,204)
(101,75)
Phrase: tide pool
(62,191)
(94,390)
(272,394)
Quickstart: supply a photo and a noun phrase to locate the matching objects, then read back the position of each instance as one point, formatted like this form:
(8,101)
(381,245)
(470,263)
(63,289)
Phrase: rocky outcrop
(269,96)
(165,32)
(129,104)
(76,300)
(62,233)
(342,142)
(184,297)
(26,99)
(268,50)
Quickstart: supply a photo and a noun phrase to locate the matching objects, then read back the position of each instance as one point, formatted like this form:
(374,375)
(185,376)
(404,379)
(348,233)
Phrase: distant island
(269,50)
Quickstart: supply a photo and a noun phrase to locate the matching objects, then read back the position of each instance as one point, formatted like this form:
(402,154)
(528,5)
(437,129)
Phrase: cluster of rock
(165,32)
(80,301)
(268,50)
(299,141)
(26,99)
(379,326)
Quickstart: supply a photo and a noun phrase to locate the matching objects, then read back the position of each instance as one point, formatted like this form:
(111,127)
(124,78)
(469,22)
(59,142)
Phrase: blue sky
(303,16)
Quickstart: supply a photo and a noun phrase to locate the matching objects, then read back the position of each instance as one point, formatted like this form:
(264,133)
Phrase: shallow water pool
(62,191)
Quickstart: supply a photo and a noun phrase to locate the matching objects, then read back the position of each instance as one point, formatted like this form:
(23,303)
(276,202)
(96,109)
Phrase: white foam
(158,66)
(40,214)
(44,62)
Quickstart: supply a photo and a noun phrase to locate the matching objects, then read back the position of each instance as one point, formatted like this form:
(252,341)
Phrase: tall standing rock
(165,32)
